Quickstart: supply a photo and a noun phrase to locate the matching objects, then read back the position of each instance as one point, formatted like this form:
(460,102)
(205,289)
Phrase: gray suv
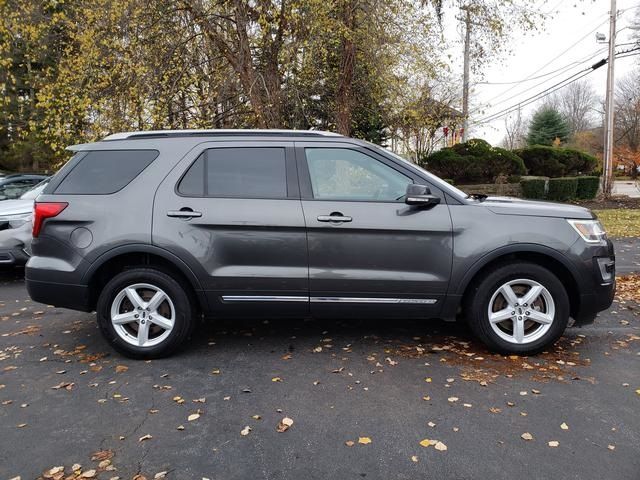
(155,230)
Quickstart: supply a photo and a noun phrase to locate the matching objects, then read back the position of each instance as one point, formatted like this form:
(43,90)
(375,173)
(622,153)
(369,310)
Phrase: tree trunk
(344,96)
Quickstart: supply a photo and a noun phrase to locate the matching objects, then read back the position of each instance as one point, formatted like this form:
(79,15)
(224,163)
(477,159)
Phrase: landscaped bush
(562,189)
(533,188)
(474,161)
(587,187)
(556,162)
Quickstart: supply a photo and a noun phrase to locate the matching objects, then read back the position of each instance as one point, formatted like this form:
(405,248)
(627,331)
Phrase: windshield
(437,180)
(35,191)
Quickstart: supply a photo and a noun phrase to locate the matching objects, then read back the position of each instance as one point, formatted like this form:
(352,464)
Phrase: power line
(561,69)
(567,81)
(552,60)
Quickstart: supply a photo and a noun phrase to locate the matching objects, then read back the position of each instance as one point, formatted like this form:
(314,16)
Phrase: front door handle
(185,212)
(334,217)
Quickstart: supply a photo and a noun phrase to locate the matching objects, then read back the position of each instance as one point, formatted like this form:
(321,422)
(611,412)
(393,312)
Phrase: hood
(15,207)
(517,206)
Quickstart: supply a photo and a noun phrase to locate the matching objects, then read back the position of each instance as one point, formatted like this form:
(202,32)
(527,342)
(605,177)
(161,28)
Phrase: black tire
(179,295)
(477,305)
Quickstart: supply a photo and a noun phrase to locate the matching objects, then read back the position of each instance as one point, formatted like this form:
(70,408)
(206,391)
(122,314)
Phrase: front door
(370,254)
(232,212)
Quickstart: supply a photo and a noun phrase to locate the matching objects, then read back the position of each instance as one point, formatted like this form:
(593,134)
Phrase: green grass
(620,222)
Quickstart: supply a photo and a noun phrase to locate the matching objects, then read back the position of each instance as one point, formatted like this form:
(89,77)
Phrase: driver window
(344,174)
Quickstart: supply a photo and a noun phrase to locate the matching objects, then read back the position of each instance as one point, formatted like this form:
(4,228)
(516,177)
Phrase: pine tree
(547,125)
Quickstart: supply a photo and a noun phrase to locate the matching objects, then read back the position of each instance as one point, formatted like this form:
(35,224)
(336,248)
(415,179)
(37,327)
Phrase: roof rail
(217,132)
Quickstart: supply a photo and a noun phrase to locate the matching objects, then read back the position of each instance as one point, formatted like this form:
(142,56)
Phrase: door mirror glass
(420,195)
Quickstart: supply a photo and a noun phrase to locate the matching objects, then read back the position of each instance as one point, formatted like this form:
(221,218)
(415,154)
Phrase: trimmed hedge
(587,187)
(533,188)
(562,189)
(556,162)
(473,162)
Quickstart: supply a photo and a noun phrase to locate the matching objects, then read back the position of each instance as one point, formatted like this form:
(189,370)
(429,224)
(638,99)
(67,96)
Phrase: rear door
(370,254)
(232,211)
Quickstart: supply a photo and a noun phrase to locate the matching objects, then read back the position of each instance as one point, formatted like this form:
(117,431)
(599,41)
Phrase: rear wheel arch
(133,256)
(540,255)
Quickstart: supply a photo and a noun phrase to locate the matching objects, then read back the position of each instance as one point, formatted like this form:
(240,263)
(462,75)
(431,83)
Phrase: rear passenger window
(237,172)
(105,172)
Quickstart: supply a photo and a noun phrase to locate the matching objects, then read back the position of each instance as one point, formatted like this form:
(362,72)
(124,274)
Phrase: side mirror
(420,195)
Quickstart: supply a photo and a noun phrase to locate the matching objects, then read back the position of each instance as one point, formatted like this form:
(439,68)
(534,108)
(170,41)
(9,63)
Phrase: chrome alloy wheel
(143,315)
(521,311)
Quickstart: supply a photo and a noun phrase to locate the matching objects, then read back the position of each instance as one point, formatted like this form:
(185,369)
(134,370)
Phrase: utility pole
(465,80)
(607,169)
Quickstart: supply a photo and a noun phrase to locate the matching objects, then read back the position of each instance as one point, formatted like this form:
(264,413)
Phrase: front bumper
(600,295)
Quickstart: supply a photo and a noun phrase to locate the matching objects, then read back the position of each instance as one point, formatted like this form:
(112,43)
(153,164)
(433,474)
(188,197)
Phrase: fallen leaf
(121,368)
(611,447)
(88,474)
(427,443)
(440,446)
(414,458)
(428,380)
(75,467)
(245,431)
(256,417)
(101,455)
(364,440)
(215,371)
(160,475)
(431,424)
(193,416)
(526,436)
(453,399)
(180,427)
(564,426)
(284,424)
(349,443)
(276,379)
(554,443)
(495,410)
(145,437)
(426,398)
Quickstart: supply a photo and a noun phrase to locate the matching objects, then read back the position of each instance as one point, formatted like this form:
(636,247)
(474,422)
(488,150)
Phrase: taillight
(44,210)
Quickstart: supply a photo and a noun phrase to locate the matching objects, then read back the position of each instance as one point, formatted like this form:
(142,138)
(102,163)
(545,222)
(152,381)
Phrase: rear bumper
(64,295)
(13,256)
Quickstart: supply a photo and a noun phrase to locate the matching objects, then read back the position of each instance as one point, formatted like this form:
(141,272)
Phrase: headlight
(590,230)
(16,220)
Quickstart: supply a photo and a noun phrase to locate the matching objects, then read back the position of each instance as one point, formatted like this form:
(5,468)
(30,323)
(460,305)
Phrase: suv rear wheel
(518,308)
(144,313)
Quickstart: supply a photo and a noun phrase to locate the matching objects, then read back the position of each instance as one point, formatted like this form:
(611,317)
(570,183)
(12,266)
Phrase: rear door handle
(184,213)
(338,218)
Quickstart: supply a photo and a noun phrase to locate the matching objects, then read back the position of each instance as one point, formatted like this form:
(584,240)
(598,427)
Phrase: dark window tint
(105,172)
(192,184)
(238,172)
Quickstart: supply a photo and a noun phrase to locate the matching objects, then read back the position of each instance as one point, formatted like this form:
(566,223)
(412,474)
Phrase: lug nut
(513,313)
(526,313)
(524,304)
(136,316)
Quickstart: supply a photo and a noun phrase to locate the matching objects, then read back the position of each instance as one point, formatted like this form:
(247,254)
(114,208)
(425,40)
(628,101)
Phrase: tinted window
(237,172)
(105,172)
(344,174)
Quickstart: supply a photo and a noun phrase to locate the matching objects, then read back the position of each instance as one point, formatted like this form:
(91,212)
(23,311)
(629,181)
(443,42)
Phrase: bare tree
(577,103)
(515,131)
(627,116)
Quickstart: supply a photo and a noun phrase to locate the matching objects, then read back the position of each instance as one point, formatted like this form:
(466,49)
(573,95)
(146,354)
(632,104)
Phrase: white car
(15,226)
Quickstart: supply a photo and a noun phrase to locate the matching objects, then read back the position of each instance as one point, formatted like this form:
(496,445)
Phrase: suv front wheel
(144,313)
(518,308)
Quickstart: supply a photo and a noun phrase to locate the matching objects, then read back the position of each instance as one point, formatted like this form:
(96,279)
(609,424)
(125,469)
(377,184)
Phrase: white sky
(572,22)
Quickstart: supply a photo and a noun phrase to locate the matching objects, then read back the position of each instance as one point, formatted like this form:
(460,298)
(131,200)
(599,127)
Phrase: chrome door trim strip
(418,301)
(263,298)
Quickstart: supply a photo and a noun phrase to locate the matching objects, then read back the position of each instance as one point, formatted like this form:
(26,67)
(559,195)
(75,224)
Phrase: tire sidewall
(175,291)
(478,307)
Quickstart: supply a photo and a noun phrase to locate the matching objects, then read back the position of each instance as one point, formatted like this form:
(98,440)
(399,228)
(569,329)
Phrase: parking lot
(367,399)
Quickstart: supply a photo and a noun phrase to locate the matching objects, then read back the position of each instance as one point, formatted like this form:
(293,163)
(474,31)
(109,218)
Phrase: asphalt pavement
(368,400)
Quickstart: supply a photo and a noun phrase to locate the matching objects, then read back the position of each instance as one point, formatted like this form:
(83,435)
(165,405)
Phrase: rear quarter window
(105,172)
